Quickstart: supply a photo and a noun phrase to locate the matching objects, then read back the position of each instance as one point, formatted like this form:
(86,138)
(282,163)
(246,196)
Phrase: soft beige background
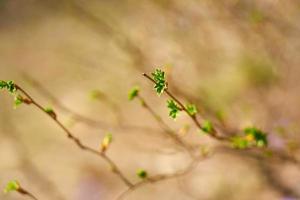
(237,57)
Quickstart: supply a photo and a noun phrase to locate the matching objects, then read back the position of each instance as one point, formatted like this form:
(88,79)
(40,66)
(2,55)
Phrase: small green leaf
(142,173)
(133,93)
(49,110)
(207,127)
(2,84)
(160,82)
(11,186)
(191,109)
(106,141)
(174,108)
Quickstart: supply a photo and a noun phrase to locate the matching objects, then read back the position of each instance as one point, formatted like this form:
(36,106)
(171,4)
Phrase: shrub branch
(213,134)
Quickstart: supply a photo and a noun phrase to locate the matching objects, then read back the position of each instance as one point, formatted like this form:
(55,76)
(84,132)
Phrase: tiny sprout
(133,93)
(11,186)
(18,100)
(50,112)
(142,173)
(106,142)
(191,109)
(174,108)
(160,82)
(8,85)
(207,127)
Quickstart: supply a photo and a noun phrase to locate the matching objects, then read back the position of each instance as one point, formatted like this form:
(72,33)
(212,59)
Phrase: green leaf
(207,127)
(133,93)
(191,109)
(174,108)
(160,82)
(49,110)
(11,186)
(8,85)
(142,173)
(2,84)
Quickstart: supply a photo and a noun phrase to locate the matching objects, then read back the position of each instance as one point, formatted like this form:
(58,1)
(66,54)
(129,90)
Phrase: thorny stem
(29,100)
(165,127)
(214,134)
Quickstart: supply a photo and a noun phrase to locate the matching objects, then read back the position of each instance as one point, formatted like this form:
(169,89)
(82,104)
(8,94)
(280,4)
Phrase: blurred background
(237,60)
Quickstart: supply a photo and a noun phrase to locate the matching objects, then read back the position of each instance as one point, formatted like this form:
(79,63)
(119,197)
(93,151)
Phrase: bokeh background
(238,60)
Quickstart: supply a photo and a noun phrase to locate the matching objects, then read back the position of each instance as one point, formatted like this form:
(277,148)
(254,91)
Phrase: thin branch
(30,101)
(214,134)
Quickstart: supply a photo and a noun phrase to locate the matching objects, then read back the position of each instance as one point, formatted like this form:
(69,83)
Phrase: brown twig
(25,192)
(30,101)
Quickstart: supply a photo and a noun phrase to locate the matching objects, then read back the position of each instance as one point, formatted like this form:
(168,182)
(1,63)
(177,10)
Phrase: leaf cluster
(8,85)
(173,108)
(160,81)
(253,137)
